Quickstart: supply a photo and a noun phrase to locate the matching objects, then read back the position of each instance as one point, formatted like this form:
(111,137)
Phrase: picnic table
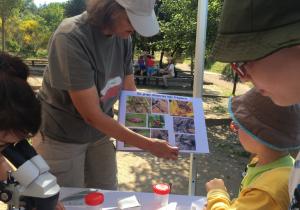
(36,61)
(146,200)
(157,80)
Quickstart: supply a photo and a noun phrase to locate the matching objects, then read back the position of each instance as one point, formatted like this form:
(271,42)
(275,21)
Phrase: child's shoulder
(274,181)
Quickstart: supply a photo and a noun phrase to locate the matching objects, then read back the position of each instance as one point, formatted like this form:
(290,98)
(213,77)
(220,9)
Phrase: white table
(146,199)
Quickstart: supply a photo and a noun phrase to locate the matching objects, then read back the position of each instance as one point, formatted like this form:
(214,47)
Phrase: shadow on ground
(226,160)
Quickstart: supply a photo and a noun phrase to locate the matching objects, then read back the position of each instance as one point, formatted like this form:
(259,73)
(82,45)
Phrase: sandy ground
(138,171)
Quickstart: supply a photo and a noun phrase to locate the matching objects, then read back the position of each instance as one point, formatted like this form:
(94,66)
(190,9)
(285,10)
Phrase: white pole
(198,75)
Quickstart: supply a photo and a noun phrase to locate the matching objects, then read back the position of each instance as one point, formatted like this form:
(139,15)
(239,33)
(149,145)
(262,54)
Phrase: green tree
(213,19)
(53,14)
(27,34)
(74,7)
(28,6)
(6,8)
(178,23)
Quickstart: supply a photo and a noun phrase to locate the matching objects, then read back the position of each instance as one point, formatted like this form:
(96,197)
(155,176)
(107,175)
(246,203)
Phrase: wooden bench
(36,62)
(157,80)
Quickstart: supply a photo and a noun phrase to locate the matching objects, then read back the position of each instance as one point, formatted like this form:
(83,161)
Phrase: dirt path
(227,160)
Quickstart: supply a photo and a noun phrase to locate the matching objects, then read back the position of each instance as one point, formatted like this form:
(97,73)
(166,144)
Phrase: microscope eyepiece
(14,157)
(23,147)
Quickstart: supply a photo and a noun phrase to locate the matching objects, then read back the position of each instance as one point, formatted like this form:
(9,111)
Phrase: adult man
(89,64)
(261,39)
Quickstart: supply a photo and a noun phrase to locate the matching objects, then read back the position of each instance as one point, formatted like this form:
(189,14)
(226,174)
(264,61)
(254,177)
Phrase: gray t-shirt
(80,56)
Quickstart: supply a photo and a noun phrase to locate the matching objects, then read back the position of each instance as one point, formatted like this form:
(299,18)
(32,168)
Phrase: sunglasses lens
(238,69)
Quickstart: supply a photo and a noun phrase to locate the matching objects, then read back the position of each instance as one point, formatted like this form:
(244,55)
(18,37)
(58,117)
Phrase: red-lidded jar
(161,194)
(94,200)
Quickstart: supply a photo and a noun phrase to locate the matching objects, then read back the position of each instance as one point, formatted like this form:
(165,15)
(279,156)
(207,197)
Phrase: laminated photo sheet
(176,119)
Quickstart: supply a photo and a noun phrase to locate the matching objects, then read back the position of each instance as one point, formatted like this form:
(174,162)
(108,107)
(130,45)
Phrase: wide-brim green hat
(274,126)
(252,29)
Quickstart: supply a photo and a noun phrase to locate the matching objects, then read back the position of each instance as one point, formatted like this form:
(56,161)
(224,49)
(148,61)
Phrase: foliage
(218,67)
(213,19)
(29,27)
(74,7)
(178,23)
(28,7)
(6,8)
(53,14)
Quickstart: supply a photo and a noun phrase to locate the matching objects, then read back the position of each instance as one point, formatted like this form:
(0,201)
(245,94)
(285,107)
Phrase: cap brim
(144,25)
(252,123)
(243,47)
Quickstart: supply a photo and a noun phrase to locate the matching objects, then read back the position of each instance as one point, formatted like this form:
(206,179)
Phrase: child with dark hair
(268,131)
(20,111)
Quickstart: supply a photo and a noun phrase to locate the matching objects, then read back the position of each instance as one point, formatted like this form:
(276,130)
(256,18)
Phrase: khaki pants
(165,77)
(90,165)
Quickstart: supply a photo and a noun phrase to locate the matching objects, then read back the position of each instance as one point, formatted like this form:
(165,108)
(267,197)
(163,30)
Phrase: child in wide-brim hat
(268,131)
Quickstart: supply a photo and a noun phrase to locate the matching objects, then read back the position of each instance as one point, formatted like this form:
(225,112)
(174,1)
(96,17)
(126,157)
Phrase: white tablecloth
(145,199)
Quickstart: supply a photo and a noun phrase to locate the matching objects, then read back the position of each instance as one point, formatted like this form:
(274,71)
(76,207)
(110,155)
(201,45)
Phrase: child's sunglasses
(234,127)
(239,69)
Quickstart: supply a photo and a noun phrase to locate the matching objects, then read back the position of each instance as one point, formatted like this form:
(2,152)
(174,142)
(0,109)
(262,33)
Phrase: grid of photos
(146,116)
(179,120)
(183,124)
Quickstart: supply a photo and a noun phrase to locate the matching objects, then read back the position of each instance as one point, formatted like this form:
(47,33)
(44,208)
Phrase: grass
(217,67)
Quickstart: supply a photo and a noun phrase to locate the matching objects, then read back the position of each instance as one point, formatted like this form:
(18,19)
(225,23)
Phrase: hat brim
(144,25)
(258,130)
(252,46)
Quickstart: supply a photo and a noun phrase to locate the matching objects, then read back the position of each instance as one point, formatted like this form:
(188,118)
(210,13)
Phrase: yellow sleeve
(217,200)
(253,199)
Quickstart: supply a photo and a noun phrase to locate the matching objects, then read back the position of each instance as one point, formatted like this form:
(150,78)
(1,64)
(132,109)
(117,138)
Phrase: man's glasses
(234,127)
(239,69)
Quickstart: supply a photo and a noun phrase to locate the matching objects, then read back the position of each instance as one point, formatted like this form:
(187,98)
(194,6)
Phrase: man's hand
(215,184)
(60,206)
(162,149)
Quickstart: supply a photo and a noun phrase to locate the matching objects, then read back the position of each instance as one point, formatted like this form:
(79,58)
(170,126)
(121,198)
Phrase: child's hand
(215,184)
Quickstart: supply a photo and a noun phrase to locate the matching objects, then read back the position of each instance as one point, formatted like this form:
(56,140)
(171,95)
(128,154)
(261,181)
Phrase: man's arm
(87,104)
(129,83)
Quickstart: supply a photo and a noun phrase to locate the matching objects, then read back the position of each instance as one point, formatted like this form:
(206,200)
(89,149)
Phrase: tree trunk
(3,33)
(161,58)
(175,49)
(235,81)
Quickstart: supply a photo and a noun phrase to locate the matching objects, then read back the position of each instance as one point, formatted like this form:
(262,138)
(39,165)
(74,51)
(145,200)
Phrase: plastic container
(198,204)
(161,194)
(94,200)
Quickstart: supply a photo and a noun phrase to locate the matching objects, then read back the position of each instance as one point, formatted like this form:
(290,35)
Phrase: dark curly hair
(20,111)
